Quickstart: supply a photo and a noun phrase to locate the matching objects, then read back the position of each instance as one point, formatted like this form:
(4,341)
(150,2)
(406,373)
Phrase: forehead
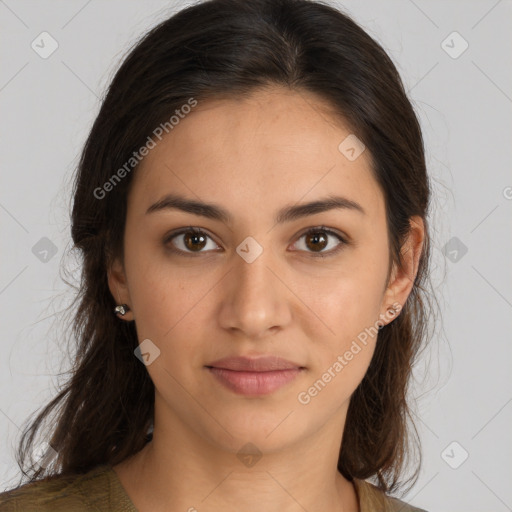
(276,146)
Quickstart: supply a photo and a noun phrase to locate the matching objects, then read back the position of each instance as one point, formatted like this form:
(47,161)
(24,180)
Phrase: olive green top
(101,490)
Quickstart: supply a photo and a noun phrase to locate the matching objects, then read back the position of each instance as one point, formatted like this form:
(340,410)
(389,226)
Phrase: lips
(260,364)
(254,376)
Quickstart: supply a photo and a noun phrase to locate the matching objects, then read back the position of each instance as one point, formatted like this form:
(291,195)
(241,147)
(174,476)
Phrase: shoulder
(373,499)
(82,492)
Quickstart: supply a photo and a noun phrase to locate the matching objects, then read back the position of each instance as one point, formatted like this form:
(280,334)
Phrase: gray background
(464,101)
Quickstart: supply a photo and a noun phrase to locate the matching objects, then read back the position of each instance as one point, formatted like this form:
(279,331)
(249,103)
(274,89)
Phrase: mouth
(254,376)
(254,364)
(254,383)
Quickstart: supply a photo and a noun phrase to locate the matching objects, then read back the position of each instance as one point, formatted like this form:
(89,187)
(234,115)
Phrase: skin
(253,157)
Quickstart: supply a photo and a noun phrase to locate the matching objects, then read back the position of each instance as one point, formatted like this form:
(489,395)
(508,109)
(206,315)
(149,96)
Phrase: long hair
(231,48)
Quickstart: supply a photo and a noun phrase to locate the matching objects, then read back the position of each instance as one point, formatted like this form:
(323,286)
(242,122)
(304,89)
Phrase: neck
(182,469)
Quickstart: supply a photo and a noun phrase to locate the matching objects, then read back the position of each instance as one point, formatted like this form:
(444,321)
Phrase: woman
(251,209)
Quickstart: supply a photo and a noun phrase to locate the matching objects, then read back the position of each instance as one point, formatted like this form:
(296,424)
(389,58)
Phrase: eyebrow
(286,214)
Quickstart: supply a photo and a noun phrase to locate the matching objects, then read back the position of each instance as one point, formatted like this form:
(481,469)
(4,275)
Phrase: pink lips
(254,376)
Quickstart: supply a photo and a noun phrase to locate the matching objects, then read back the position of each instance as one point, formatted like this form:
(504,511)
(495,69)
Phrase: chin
(268,432)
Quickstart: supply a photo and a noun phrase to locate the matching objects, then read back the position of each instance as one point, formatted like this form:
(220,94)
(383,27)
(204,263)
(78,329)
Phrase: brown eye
(189,241)
(194,241)
(317,239)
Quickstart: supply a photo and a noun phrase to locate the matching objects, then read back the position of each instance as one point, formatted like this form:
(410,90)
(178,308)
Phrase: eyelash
(190,229)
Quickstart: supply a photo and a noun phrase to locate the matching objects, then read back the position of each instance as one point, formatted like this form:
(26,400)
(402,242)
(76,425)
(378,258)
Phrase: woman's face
(252,283)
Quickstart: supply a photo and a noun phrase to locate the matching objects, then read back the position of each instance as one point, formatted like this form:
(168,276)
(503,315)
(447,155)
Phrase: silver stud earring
(392,311)
(121,310)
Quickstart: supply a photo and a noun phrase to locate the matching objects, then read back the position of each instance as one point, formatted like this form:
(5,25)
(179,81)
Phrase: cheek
(341,358)
(165,304)
(169,305)
(350,300)
(349,305)
(154,287)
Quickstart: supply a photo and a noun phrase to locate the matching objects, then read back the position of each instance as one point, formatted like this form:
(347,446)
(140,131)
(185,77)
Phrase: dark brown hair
(231,48)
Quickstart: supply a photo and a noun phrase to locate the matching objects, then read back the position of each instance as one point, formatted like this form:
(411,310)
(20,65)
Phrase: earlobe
(118,286)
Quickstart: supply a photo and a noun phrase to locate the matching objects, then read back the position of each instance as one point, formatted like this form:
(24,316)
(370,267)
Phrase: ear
(118,286)
(402,280)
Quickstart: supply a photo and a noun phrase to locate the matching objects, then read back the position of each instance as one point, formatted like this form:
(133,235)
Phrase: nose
(255,299)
